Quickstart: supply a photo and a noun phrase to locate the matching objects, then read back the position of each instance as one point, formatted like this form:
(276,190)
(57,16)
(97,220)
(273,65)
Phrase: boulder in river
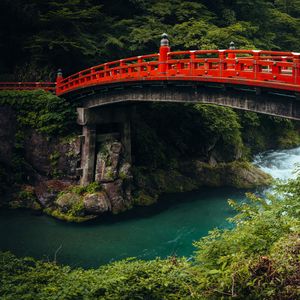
(96,203)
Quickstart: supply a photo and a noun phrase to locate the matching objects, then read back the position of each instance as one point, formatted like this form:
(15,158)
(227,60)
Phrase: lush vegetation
(165,134)
(41,111)
(41,36)
(257,259)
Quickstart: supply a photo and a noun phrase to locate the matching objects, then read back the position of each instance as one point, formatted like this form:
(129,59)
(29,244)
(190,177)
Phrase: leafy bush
(228,260)
(129,279)
(40,110)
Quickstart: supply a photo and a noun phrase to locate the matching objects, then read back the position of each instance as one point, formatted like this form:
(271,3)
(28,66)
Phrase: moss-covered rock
(143,199)
(25,198)
(149,185)
(96,203)
(195,174)
(56,213)
(108,161)
(70,202)
(236,174)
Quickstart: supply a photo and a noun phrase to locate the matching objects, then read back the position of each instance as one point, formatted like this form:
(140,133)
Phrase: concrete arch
(265,101)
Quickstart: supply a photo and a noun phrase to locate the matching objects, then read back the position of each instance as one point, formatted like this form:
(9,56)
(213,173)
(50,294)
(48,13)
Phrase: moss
(143,199)
(25,198)
(289,139)
(238,174)
(40,110)
(69,204)
(66,216)
(123,175)
(54,158)
(261,133)
(109,174)
(82,190)
(245,175)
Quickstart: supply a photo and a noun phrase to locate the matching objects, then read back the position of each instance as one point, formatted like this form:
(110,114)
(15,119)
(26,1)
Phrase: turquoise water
(168,228)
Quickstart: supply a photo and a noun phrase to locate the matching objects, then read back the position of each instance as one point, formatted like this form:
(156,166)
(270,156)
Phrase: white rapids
(280,164)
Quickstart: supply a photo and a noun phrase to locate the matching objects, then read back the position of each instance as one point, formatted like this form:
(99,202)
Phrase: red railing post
(222,64)
(192,62)
(59,78)
(163,54)
(276,70)
(140,67)
(256,65)
(121,69)
(284,59)
(106,71)
(231,56)
(296,67)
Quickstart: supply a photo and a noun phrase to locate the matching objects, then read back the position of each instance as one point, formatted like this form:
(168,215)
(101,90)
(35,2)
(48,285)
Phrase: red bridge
(267,69)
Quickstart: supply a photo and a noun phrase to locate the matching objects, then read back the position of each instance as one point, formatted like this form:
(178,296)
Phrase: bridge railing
(124,69)
(29,86)
(274,69)
(282,67)
(265,68)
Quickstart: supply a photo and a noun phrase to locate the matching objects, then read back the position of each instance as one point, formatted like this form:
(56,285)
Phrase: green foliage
(163,134)
(260,132)
(222,123)
(128,279)
(26,195)
(25,198)
(235,262)
(40,110)
(49,34)
(54,158)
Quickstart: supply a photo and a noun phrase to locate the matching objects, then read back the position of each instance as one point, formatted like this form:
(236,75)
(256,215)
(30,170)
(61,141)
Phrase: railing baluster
(296,68)
(256,64)
(192,62)
(222,65)
(140,61)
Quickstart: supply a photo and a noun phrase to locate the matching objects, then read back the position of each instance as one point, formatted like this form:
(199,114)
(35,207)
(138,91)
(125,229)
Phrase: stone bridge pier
(99,125)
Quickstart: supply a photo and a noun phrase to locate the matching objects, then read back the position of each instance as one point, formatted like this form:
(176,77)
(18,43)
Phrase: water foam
(280,164)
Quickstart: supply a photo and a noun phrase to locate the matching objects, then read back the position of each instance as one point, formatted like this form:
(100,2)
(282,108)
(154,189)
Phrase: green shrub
(40,110)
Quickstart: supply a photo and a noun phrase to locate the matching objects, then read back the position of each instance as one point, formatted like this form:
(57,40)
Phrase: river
(168,228)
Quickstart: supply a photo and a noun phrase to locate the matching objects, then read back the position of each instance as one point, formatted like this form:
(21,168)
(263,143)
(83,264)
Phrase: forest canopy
(42,36)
